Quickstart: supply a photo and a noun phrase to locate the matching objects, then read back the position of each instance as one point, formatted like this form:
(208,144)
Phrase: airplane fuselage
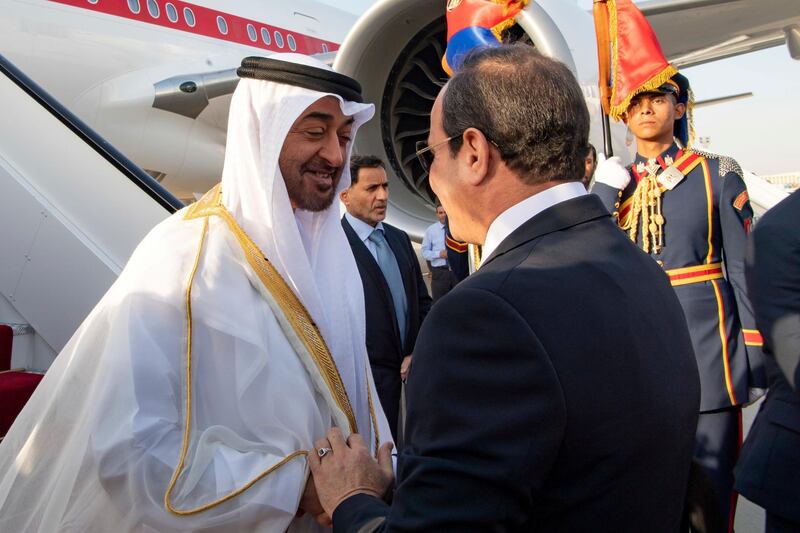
(104,59)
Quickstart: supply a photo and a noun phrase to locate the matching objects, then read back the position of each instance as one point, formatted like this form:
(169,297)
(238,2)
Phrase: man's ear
(680,109)
(476,154)
(344,198)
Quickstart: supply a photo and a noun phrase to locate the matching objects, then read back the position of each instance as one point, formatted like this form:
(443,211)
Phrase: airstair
(72,209)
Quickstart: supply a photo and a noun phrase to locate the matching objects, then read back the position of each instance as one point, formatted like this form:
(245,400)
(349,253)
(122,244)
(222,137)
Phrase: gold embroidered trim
(475,255)
(373,418)
(188,409)
(294,310)
(301,321)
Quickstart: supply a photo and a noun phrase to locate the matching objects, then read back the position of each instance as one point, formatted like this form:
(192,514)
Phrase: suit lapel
(555,218)
(367,264)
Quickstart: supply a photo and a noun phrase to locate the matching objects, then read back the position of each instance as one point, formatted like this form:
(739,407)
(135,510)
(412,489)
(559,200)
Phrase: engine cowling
(395,51)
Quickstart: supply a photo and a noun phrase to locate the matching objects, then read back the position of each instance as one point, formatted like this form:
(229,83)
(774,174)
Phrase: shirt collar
(518,214)
(362,229)
(672,152)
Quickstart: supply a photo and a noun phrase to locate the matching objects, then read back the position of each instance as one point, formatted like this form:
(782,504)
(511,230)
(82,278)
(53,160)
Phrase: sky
(762,132)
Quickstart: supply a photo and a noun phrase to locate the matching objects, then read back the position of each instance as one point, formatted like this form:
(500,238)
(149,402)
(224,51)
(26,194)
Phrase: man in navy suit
(769,466)
(554,389)
(395,296)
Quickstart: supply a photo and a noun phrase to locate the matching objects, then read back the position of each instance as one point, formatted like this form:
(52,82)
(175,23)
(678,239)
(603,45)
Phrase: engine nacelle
(395,51)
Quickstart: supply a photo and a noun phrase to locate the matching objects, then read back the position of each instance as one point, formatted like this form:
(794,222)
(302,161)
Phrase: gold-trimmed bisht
(300,321)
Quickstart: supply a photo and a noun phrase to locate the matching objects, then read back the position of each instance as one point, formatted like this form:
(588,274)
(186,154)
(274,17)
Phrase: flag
(473,23)
(637,64)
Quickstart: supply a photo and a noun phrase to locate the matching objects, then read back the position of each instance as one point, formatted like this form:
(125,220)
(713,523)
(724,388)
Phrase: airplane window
(93,1)
(172,13)
(251,32)
(188,14)
(222,26)
(152,8)
(134,6)
(325,48)
(292,44)
(265,36)
(278,39)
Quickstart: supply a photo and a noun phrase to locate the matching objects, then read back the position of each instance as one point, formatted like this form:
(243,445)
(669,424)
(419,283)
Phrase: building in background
(789,181)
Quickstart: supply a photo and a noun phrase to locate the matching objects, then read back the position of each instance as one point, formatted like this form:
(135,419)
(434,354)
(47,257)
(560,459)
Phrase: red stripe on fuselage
(206,24)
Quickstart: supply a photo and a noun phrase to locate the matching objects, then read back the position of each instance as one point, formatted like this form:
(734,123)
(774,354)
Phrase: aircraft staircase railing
(72,210)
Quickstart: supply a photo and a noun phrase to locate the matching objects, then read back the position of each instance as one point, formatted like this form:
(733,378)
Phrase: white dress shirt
(364,230)
(433,244)
(516,215)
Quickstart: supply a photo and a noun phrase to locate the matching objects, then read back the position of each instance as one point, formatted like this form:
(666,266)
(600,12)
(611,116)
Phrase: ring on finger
(322,452)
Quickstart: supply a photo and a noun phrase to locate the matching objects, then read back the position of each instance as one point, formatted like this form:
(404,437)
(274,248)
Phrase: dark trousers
(717,444)
(442,280)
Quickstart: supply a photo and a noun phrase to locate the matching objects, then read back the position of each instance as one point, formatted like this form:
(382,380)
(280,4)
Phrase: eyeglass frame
(429,148)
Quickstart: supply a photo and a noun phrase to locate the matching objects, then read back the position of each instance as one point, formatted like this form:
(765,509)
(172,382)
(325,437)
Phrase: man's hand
(443,254)
(309,503)
(612,172)
(349,469)
(405,366)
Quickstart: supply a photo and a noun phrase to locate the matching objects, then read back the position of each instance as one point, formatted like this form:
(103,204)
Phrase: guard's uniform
(457,254)
(694,223)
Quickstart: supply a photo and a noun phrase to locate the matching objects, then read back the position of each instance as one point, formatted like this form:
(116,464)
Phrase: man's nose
(332,152)
(383,193)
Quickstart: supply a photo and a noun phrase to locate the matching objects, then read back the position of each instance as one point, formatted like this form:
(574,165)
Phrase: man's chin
(316,202)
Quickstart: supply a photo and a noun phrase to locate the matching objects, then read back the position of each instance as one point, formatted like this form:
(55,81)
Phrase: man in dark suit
(554,389)
(769,465)
(395,296)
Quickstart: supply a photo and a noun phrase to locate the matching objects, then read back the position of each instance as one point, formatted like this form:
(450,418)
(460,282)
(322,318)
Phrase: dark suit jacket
(553,390)
(384,346)
(769,465)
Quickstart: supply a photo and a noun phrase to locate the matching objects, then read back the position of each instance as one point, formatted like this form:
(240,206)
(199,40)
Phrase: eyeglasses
(425,153)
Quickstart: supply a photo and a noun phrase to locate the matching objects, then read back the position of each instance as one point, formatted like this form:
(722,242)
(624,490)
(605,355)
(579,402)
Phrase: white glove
(611,172)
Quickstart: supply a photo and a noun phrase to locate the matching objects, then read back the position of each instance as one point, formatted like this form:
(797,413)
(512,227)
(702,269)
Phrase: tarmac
(749,516)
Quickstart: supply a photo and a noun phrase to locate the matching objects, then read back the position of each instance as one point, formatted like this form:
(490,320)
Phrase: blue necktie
(391,273)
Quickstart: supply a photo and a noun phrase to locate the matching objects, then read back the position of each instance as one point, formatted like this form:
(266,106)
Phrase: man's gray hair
(530,106)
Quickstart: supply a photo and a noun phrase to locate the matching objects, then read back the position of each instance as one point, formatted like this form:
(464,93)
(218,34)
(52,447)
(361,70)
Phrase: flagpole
(600,12)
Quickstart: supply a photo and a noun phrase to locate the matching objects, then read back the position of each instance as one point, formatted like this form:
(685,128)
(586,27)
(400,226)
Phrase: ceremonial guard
(690,211)
(457,255)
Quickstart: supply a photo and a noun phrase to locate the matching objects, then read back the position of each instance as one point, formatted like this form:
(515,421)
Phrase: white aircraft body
(153,78)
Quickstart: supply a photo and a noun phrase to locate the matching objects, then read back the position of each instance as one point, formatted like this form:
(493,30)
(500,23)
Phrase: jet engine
(395,51)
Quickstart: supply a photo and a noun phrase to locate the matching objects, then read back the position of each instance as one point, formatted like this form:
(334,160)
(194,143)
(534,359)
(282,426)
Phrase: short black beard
(318,204)
(313,202)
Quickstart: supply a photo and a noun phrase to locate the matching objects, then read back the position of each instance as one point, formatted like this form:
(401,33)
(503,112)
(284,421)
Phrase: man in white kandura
(233,339)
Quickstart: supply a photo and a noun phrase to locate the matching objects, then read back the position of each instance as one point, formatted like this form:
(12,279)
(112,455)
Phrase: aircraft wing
(692,32)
